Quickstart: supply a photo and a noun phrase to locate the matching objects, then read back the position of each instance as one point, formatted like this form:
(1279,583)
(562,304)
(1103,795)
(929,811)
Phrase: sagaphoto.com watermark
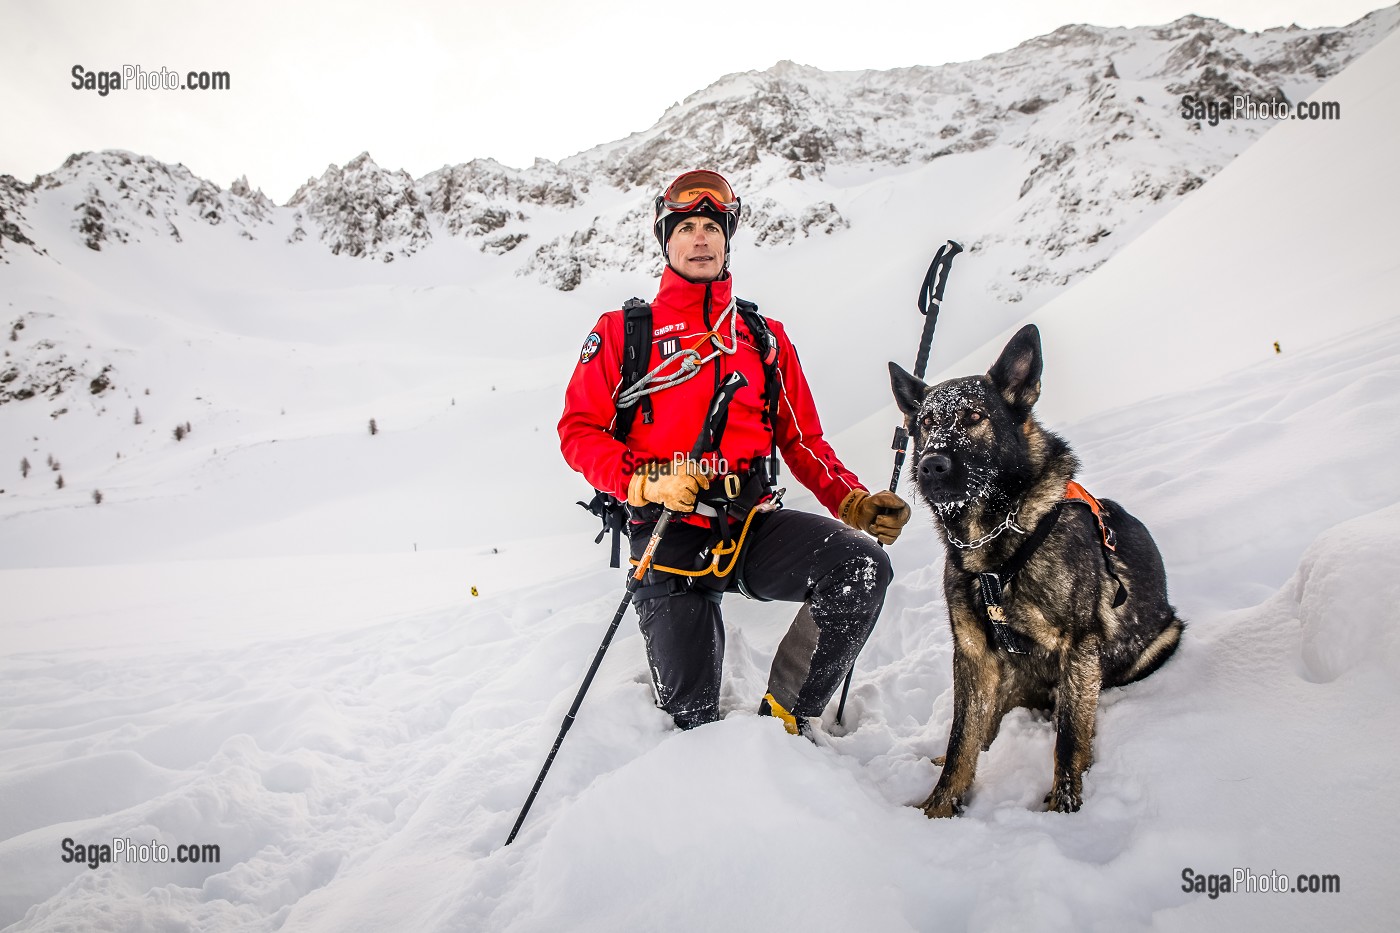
(128,851)
(1245,107)
(135,78)
(1248,881)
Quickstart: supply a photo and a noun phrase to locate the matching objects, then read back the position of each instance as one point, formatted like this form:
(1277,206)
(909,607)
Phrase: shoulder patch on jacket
(591,343)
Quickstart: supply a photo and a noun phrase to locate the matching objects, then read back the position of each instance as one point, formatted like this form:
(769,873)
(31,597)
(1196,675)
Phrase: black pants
(841,574)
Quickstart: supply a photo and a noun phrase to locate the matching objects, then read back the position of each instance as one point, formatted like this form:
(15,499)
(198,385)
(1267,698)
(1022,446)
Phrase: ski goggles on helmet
(695,191)
(688,191)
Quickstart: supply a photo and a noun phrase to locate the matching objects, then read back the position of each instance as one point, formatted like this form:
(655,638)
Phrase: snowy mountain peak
(362,161)
(787,68)
(1192,23)
(119,197)
(243,189)
(1092,113)
(363,210)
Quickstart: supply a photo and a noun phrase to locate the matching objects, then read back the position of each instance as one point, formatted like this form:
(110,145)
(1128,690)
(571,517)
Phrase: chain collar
(1008,523)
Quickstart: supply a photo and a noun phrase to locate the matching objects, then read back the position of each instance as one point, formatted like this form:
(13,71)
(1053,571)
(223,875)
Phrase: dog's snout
(935,466)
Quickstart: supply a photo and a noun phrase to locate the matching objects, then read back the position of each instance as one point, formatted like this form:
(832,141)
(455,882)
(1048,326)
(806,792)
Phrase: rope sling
(715,555)
(690,360)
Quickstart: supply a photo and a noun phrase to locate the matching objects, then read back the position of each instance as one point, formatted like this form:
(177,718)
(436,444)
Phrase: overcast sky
(420,84)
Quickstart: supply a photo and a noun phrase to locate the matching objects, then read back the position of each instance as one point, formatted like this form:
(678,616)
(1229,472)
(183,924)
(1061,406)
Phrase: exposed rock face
(14,198)
(45,368)
(364,210)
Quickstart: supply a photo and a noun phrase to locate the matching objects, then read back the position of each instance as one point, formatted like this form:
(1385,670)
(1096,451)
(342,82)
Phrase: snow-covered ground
(241,645)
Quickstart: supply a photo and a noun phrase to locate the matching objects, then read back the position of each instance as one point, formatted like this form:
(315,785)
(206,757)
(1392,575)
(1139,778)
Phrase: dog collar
(1007,524)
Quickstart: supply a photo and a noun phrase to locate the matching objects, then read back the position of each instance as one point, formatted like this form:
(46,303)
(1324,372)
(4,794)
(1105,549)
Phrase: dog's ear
(909,390)
(1016,373)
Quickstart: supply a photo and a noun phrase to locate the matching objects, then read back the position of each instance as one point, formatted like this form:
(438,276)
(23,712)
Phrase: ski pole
(715,419)
(930,301)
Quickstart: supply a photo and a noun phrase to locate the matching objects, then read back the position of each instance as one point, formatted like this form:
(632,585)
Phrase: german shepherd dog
(1051,598)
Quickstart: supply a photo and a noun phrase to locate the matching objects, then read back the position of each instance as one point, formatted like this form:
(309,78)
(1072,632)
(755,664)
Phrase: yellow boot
(794,724)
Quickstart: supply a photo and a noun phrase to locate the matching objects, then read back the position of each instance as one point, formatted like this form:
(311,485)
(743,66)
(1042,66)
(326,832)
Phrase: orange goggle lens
(691,188)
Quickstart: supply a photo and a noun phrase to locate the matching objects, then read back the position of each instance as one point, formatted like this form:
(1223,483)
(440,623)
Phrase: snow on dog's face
(968,435)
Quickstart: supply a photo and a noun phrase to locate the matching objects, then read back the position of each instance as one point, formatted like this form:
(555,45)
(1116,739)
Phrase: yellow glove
(671,486)
(866,512)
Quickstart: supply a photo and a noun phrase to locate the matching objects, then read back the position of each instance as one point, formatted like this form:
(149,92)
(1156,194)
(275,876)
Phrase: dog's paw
(939,806)
(1065,797)
(940,761)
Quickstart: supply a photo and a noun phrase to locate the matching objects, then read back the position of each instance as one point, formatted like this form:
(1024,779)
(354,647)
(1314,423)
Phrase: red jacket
(682,311)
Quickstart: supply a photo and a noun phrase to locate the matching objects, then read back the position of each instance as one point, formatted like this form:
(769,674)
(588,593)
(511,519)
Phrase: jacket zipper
(705,311)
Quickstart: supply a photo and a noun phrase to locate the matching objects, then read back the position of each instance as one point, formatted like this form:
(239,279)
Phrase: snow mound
(1346,588)
(646,828)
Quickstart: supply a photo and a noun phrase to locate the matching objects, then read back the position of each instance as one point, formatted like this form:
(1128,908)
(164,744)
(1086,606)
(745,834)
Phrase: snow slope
(1301,250)
(356,730)
(362,776)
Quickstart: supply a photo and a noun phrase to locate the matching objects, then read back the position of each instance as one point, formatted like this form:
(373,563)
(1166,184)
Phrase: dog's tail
(1158,651)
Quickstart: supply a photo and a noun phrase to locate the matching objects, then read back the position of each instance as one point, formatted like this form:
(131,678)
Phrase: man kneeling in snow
(732,534)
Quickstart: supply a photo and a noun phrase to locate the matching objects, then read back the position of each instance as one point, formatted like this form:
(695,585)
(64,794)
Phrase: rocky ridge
(1094,113)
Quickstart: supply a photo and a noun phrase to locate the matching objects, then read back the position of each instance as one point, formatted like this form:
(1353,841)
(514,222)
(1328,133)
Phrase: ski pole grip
(931,299)
(936,279)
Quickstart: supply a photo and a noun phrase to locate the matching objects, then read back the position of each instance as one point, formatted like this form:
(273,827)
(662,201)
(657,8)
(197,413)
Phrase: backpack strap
(636,354)
(767,345)
(613,515)
(1077,493)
